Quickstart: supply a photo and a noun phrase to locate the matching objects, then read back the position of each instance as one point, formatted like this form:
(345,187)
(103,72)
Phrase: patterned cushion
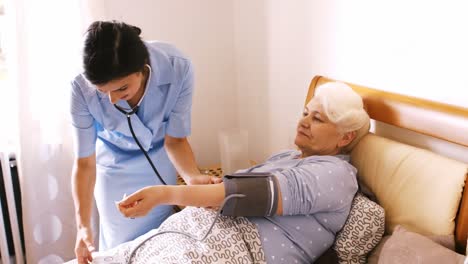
(362,231)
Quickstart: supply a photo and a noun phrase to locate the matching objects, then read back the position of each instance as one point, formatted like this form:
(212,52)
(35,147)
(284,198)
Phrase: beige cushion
(417,188)
(373,257)
(409,247)
(447,241)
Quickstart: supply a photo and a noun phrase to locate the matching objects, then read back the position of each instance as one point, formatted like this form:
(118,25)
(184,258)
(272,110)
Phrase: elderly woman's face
(316,135)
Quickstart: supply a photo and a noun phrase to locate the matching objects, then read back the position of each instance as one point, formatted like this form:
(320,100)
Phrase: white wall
(203,30)
(254,59)
(411,47)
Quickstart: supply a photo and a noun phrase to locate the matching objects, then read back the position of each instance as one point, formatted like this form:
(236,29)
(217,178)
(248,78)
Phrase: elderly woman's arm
(210,195)
(323,184)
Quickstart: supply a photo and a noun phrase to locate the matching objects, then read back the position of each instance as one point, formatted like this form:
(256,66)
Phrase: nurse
(153,78)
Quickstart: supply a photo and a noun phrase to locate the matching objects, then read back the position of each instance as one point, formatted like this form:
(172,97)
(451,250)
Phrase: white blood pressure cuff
(260,192)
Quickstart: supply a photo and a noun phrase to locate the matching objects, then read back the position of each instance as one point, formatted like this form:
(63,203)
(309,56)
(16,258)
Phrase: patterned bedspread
(232,240)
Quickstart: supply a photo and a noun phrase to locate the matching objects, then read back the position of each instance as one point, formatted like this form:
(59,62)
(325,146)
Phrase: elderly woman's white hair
(344,107)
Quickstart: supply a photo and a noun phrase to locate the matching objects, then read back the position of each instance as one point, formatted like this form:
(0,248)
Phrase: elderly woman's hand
(141,202)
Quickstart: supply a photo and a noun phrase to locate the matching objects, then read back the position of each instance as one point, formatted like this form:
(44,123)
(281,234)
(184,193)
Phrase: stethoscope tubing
(128,115)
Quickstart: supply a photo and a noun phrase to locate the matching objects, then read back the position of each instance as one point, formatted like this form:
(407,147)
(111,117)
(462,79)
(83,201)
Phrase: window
(2,44)
(8,102)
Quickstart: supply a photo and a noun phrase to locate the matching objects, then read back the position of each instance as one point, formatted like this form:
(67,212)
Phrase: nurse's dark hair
(113,50)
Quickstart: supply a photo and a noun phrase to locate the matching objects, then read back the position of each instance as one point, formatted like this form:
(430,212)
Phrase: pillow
(362,231)
(374,255)
(408,247)
(418,188)
(447,241)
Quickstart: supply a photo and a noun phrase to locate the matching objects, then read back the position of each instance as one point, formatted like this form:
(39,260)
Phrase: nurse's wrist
(82,226)
(193,179)
(81,222)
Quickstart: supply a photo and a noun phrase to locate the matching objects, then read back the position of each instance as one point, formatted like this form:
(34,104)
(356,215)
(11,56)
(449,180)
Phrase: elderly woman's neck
(305,154)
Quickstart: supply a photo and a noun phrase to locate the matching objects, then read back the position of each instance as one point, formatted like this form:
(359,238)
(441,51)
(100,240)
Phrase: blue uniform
(121,166)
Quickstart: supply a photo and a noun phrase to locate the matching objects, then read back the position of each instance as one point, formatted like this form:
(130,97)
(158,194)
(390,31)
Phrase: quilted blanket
(232,240)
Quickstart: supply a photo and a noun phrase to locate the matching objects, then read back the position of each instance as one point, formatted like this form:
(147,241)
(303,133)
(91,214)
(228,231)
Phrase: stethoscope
(128,113)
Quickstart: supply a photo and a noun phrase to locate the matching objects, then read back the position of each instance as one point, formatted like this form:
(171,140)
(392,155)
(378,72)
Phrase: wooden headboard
(443,121)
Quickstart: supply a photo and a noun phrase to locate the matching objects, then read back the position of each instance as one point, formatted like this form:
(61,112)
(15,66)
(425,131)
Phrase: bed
(421,192)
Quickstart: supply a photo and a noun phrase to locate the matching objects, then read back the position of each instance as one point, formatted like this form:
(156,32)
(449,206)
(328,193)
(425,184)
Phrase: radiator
(11,231)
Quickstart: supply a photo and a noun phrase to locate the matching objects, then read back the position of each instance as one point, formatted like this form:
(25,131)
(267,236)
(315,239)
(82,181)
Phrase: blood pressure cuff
(260,190)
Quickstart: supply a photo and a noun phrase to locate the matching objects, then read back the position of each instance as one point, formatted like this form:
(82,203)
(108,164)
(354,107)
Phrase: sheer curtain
(48,36)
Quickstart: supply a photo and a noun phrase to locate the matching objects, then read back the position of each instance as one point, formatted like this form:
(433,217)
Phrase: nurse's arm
(83,181)
(181,155)
(207,195)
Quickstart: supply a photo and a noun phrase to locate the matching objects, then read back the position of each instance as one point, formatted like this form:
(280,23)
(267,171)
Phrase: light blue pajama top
(121,166)
(317,193)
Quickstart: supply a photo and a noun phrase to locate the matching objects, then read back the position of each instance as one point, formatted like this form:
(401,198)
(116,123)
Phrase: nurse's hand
(203,179)
(140,203)
(84,245)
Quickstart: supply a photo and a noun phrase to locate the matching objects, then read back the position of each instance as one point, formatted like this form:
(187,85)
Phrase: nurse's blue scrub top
(121,166)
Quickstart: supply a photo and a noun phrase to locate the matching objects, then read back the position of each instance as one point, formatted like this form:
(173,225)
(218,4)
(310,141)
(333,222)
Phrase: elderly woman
(316,184)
